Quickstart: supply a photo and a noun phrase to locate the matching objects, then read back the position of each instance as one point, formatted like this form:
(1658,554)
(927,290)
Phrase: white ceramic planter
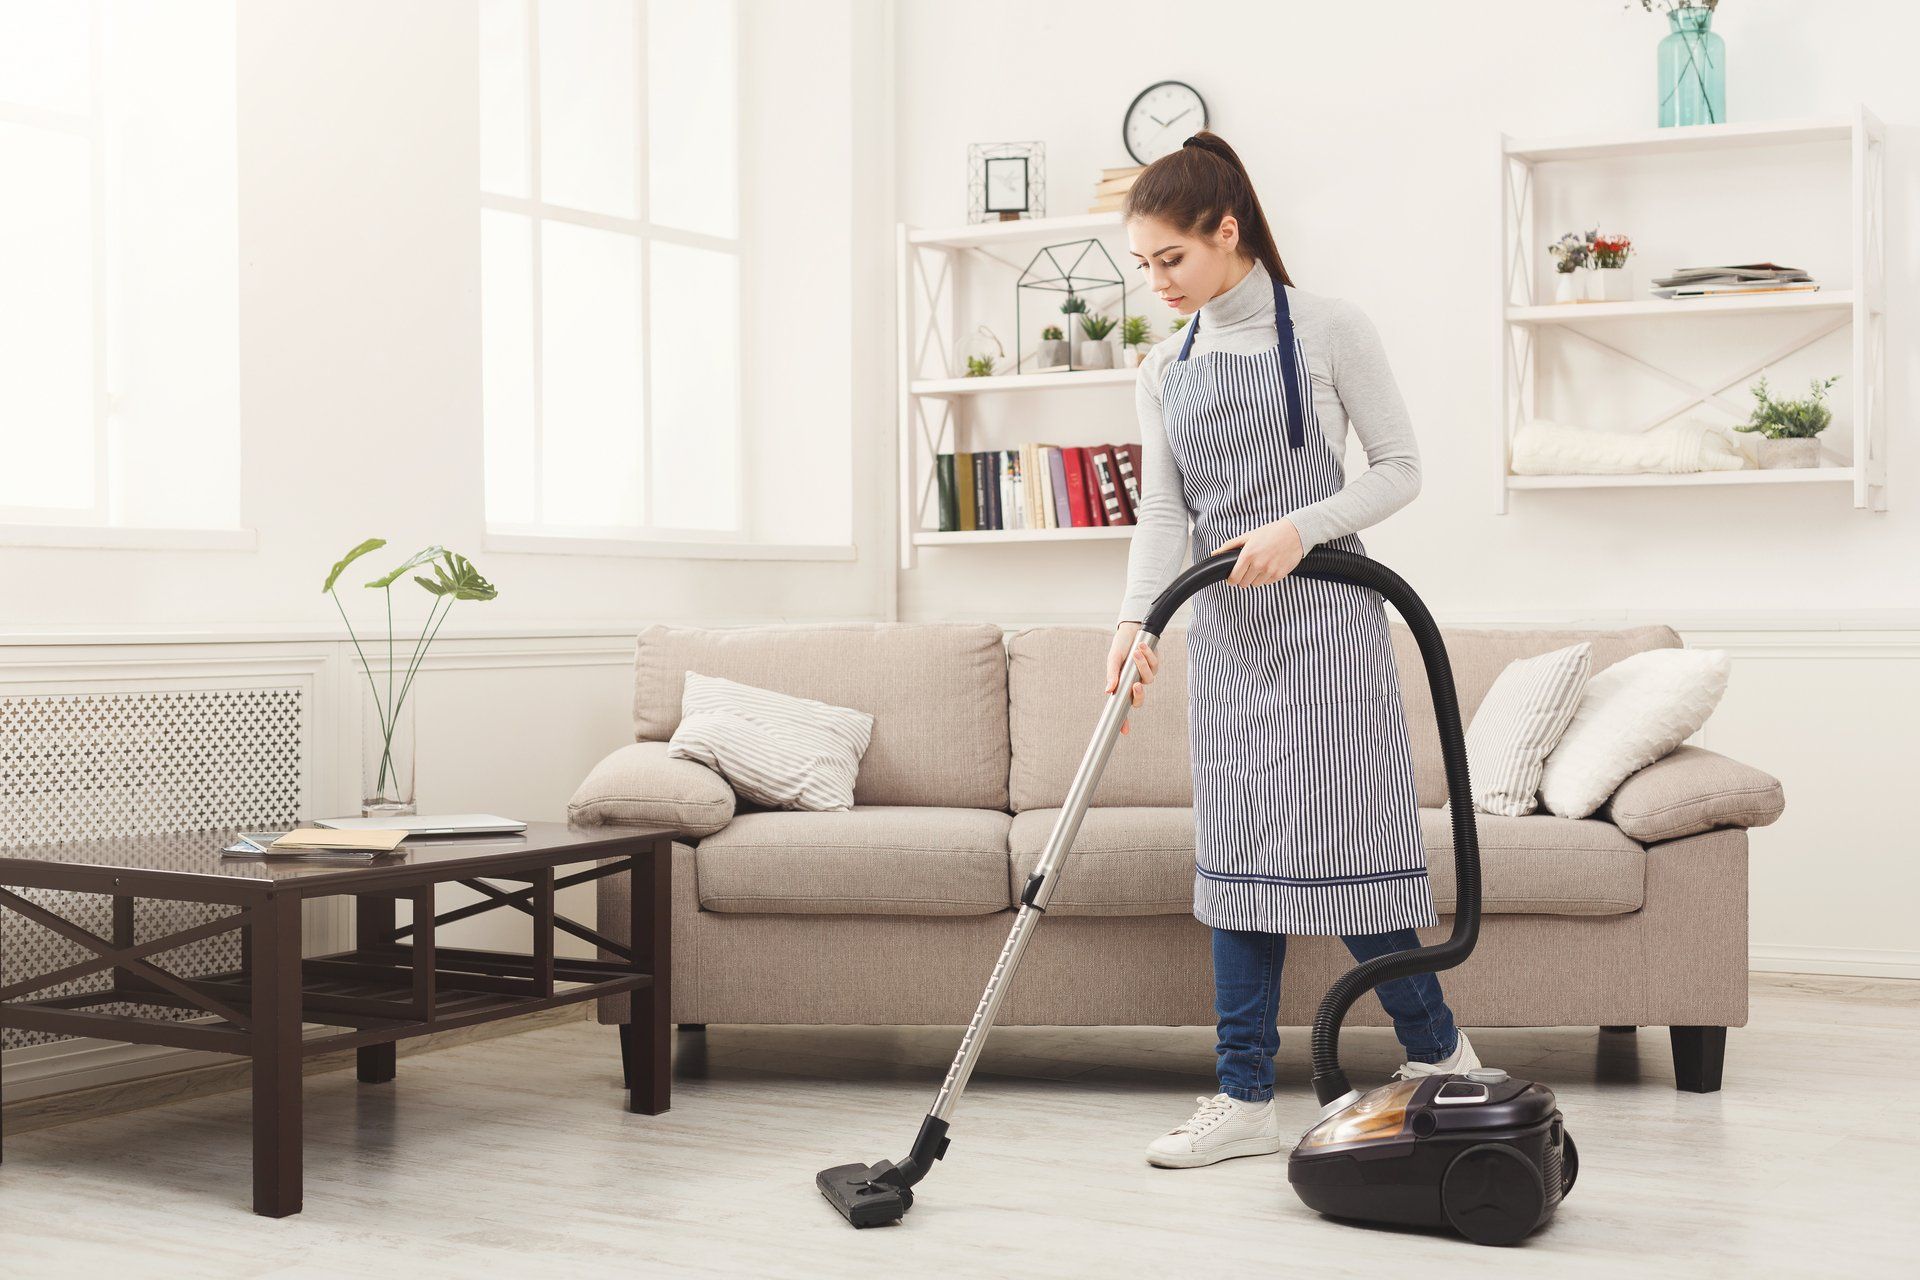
(1609,284)
(1096,355)
(1568,287)
(1052,351)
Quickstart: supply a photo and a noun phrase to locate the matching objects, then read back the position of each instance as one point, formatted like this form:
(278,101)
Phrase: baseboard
(1850,962)
(98,1078)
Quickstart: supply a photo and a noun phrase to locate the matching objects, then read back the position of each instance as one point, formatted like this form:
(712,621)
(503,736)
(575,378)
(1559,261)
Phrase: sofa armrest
(642,785)
(1689,790)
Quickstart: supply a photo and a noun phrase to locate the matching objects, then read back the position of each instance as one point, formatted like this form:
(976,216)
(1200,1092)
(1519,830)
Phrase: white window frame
(68,526)
(644,538)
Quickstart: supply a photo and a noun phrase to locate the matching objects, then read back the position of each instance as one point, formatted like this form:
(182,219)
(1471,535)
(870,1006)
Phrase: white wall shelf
(934,405)
(1860,309)
(1063,380)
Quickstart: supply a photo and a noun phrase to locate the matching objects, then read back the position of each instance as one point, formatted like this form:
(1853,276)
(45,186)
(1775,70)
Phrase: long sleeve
(1159,550)
(1358,361)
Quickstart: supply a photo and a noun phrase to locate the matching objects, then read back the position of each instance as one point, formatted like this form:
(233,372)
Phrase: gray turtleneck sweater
(1350,377)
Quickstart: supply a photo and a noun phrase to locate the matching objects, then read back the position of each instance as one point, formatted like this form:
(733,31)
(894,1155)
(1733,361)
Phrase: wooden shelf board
(1782,475)
(1024,382)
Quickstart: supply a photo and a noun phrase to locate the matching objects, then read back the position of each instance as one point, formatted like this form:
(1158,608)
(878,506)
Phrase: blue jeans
(1246,985)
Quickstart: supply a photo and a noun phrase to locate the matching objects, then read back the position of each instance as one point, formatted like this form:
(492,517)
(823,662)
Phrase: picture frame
(1008,160)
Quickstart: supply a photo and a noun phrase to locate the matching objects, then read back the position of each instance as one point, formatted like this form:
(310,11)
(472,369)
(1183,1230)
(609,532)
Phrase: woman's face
(1184,271)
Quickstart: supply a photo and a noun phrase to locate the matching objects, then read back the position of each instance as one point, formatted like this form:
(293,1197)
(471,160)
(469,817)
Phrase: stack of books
(1111,191)
(1751,277)
(1039,486)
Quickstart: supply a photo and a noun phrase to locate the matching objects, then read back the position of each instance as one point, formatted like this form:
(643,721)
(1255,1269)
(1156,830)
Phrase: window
(119,322)
(610,268)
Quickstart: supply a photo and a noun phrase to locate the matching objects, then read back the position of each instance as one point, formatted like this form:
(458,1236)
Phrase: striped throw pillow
(772,748)
(1518,724)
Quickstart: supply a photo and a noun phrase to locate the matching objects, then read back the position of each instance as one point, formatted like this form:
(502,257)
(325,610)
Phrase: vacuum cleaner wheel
(1492,1194)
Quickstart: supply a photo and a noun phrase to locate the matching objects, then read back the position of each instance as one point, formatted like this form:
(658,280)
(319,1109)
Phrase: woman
(1304,810)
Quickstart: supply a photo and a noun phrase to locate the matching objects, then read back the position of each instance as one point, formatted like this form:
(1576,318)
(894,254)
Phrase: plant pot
(1096,354)
(386,747)
(1074,347)
(1613,284)
(1568,287)
(1134,354)
(1052,351)
(1790,454)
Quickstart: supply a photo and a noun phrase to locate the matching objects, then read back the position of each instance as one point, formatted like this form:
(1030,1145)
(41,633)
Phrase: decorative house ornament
(1071,271)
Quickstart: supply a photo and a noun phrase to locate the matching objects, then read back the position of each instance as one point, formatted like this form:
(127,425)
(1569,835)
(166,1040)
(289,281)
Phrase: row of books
(1039,486)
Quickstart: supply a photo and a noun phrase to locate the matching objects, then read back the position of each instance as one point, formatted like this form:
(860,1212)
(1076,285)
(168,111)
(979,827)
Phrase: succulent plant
(1051,333)
(1074,303)
(1096,326)
(1134,330)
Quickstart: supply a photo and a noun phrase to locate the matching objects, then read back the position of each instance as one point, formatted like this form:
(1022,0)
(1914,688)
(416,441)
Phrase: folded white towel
(1546,448)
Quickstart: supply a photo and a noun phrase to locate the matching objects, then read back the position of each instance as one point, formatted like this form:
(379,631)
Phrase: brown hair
(1193,188)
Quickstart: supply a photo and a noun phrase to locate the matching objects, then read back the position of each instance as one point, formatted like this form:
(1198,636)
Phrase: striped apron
(1304,809)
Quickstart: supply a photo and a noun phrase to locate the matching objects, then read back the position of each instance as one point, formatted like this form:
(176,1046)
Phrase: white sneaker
(1462,1059)
(1222,1128)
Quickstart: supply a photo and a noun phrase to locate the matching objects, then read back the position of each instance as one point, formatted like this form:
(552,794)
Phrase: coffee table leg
(377,1063)
(645,1048)
(276,1057)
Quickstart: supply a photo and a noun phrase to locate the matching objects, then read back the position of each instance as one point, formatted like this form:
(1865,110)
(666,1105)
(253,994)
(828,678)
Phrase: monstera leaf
(418,558)
(371,544)
(462,583)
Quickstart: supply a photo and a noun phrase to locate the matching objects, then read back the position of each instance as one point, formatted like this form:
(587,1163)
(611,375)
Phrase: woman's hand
(1267,554)
(1146,663)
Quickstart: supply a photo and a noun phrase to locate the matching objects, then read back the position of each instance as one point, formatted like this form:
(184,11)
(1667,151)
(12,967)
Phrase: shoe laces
(1212,1111)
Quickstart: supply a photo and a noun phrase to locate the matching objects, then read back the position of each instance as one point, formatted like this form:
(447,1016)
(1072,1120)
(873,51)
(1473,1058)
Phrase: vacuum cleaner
(1483,1153)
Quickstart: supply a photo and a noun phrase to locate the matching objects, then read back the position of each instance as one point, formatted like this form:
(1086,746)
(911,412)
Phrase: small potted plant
(1073,308)
(1095,352)
(1610,280)
(1135,338)
(1789,428)
(1570,253)
(1053,347)
(1179,323)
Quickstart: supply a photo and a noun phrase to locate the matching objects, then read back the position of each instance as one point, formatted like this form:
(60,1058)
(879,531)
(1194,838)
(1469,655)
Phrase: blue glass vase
(1693,70)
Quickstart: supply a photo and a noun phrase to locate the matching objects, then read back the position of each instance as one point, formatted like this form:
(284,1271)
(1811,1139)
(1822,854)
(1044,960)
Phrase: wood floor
(513,1157)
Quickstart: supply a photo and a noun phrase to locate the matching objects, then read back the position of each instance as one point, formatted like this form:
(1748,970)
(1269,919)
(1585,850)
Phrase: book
(314,842)
(1057,475)
(949,504)
(1075,465)
(963,487)
(1090,482)
(1129,459)
(1107,474)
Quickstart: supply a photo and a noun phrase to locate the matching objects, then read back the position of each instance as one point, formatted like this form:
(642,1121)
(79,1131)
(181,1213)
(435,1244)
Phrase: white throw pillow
(1631,714)
(1519,723)
(773,748)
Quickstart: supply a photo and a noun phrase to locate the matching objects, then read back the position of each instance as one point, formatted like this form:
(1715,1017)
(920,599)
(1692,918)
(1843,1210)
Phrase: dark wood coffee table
(393,984)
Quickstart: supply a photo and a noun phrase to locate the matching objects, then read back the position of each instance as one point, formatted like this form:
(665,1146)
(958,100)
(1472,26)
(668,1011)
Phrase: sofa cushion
(869,860)
(1690,790)
(1055,693)
(782,751)
(1478,656)
(1139,861)
(937,693)
(642,785)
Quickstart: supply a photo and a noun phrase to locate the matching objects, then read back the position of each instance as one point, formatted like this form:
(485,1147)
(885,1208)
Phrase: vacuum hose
(1329,565)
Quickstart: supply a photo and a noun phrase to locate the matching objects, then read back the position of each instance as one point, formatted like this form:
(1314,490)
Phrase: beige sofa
(894,912)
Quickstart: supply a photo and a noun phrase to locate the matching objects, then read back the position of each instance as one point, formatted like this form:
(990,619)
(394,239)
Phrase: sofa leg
(1699,1053)
(693,1026)
(1620,1030)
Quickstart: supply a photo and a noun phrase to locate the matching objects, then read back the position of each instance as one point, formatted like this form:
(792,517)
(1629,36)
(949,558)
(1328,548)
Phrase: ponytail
(1193,188)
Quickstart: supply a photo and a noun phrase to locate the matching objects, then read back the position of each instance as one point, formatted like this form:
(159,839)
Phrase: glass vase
(386,748)
(1693,70)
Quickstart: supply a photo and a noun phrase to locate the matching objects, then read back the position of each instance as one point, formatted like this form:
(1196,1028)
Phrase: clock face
(1161,118)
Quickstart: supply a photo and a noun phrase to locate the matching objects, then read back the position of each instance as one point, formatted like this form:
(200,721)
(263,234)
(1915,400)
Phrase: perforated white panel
(80,766)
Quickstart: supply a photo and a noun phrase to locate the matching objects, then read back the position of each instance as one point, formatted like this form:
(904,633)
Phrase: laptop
(442,824)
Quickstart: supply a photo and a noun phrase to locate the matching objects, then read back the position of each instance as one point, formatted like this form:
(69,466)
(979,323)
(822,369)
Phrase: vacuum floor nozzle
(862,1199)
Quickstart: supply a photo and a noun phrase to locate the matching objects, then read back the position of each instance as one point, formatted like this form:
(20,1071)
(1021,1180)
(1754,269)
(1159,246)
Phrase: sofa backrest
(1055,676)
(937,693)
